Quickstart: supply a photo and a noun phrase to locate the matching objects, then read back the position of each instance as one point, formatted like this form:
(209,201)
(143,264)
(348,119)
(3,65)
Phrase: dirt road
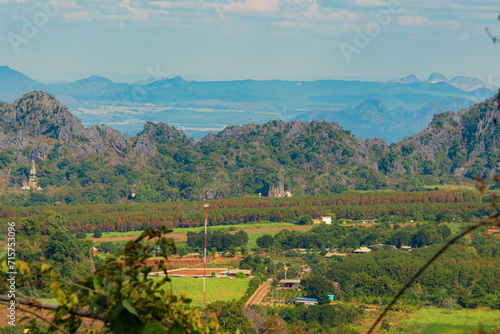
(259,294)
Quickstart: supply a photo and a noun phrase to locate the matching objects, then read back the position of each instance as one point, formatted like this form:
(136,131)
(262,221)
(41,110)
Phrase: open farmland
(436,320)
(179,234)
(217,289)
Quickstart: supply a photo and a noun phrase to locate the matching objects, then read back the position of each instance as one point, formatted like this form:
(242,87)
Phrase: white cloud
(411,20)
(80,16)
(290,24)
(255,5)
(176,4)
(371,3)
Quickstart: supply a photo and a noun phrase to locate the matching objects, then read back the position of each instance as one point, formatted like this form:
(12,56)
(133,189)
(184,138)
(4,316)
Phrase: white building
(327,220)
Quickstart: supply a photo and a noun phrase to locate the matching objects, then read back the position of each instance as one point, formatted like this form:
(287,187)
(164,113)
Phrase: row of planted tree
(388,206)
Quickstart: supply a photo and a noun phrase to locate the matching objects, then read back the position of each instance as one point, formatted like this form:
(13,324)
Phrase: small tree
(182,251)
(385,326)
(265,241)
(449,303)
(304,220)
(97,233)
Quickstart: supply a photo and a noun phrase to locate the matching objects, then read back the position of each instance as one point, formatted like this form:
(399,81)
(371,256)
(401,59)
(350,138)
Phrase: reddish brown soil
(175,236)
(195,272)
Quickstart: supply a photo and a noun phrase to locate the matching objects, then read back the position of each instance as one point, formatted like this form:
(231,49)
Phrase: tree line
(395,207)
(219,240)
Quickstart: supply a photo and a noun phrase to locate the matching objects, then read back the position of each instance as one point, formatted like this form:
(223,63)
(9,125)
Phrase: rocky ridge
(39,122)
(37,125)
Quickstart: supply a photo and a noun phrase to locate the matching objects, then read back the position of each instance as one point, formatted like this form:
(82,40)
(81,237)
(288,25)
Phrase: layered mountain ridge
(315,157)
(201,106)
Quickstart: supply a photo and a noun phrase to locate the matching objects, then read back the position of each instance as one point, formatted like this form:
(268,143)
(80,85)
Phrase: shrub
(81,235)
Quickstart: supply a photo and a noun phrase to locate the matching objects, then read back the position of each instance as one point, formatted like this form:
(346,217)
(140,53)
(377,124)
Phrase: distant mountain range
(461,82)
(372,119)
(403,106)
(99,164)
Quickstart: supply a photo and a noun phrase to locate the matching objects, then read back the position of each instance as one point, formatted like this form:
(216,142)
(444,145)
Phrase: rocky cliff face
(467,140)
(37,124)
(321,139)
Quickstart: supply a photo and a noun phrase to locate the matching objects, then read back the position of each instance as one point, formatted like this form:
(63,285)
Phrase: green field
(252,237)
(435,320)
(225,228)
(217,289)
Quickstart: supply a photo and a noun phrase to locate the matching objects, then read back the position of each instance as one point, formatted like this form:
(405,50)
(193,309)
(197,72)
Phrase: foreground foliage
(119,294)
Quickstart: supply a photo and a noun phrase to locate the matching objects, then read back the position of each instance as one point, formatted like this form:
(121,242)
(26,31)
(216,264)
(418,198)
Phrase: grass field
(225,228)
(217,289)
(458,227)
(450,187)
(435,320)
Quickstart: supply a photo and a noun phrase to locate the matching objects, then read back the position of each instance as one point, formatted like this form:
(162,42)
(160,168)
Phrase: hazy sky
(258,39)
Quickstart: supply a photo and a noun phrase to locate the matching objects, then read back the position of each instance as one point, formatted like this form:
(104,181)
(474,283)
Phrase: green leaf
(98,282)
(129,307)
(154,327)
(176,328)
(5,267)
(124,322)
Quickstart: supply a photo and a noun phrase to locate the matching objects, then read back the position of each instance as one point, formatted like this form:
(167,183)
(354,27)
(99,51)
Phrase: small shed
(305,301)
(290,283)
(405,248)
(362,250)
(233,272)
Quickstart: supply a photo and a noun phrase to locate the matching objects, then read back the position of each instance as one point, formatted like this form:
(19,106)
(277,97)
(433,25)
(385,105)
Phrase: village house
(323,220)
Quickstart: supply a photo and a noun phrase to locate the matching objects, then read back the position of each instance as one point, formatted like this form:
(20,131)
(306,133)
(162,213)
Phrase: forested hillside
(81,165)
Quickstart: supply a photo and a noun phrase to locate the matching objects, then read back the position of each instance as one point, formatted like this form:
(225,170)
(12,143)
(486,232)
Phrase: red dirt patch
(195,272)
(175,236)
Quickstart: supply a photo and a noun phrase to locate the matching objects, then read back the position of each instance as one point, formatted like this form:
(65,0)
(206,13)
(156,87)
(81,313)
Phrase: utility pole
(205,257)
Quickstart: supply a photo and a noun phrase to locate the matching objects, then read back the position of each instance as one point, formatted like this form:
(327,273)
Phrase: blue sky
(258,39)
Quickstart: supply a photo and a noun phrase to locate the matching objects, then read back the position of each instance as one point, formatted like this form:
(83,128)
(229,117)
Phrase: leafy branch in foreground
(119,294)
